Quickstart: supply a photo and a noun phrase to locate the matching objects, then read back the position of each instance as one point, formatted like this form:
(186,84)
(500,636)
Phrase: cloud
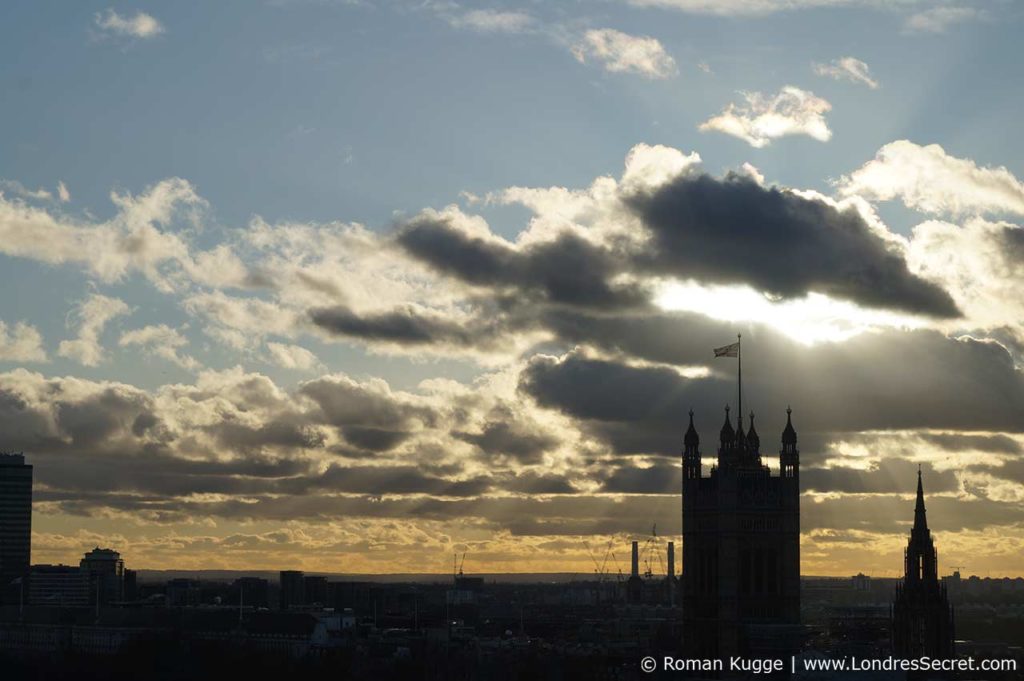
(21,190)
(23,343)
(735,230)
(884,381)
(149,234)
(62,192)
(404,326)
(162,341)
(846,68)
(92,316)
(141,26)
(979,263)
(791,111)
(624,53)
(938,19)
(568,270)
(928,179)
(755,8)
(292,356)
(491,21)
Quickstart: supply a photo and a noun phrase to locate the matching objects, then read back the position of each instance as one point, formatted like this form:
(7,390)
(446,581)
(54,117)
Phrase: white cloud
(160,340)
(242,322)
(938,19)
(292,356)
(62,192)
(492,21)
(92,315)
(18,189)
(140,26)
(23,343)
(624,53)
(150,234)
(978,262)
(761,7)
(847,68)
(928,179)
(790,112)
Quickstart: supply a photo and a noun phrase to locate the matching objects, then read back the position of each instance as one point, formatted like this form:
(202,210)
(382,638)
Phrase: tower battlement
(741,542)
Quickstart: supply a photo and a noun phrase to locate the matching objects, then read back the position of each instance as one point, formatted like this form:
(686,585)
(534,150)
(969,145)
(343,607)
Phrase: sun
(813,319)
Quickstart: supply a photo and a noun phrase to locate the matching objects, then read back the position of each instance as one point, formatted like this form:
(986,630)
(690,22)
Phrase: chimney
(671,559)
(636,559)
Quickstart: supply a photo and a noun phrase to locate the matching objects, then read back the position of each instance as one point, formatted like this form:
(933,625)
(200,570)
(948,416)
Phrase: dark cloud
(953,442)
(657,479)
(892,380)
(529,482)
(890,476)
(374,439)
(404,325)
(568,270)
(503,435)
(282,432)
(736,231)
(346,403)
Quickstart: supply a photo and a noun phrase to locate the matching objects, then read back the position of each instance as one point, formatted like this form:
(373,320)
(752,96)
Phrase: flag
(732,350)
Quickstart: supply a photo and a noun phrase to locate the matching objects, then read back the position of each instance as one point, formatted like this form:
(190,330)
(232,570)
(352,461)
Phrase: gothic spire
(728,434)
(920,519)
(789,433)
(753,439)
(691,440)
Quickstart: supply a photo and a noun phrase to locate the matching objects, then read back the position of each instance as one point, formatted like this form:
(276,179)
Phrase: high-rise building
(292,589)
(922,621)
(106,570)
(251,592)
(314,590)
(741,546)
(15,517)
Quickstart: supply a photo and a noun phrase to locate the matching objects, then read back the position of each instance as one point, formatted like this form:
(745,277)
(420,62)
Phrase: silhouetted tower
(635,585)
(15,518)
(741,546)
(922,620)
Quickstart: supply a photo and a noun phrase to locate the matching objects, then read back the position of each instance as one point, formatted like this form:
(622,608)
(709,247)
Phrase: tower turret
(789,455)
(691,452)
(753,439)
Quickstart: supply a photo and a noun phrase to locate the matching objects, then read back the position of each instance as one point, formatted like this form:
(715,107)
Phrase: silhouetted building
(292,591)
(59,585)
(182,592)
(922,621)
(251,592)
(671,583)
(15,517)
(106,570)
(131,585)
(741,546)
(314,590)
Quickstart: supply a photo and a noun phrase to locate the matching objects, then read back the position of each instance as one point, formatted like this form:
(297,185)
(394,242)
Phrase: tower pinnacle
(920,517)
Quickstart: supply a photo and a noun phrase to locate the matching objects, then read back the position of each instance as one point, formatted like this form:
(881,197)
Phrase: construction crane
(457,564)
(651,553)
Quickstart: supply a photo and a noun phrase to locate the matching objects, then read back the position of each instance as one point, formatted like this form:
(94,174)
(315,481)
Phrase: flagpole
(739,364)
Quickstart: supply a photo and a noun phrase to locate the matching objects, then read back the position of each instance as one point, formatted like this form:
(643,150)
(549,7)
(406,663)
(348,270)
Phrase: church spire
(920,518)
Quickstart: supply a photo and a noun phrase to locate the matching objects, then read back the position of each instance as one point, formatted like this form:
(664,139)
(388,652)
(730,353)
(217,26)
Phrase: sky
(356,285)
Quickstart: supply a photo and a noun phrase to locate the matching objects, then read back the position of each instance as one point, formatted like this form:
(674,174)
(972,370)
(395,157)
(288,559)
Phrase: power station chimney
(636,560)
(671,559)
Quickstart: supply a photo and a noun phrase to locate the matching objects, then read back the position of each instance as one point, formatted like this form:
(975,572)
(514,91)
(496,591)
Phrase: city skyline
(353,287)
